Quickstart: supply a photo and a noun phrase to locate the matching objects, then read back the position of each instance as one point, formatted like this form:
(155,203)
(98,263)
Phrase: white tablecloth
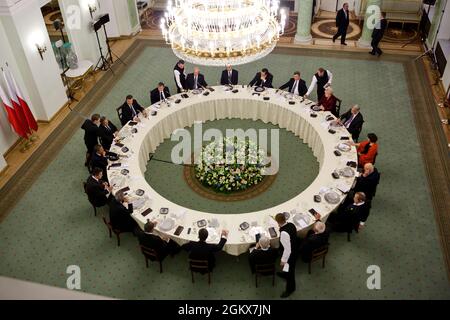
(222,104)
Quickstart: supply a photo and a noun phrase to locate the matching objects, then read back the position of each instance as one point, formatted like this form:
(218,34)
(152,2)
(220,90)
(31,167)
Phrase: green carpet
(298,169)
(53,225)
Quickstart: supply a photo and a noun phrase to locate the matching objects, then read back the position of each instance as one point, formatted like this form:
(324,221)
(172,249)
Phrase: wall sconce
(92,8)
(41,49)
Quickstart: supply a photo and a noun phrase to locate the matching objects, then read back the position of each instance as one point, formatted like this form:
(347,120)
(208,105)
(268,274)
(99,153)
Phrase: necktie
(107,127)
(229,77)
(294,86)
(349,121)
(195,82)
(133,111)
(160,96)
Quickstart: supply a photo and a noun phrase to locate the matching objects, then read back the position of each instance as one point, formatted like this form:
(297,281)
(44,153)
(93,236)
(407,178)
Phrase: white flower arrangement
(231,165)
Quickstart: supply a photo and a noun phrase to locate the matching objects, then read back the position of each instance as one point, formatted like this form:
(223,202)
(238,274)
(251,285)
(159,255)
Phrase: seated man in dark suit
(96,189)
(353,121)
(91,132)
(351,217)
(195,80)
(162,245)
(205,251)
(296,85)
(317,237)
(130,110)
(99,160)
(229,76)
(368,181)
(262,253)
(262,79)
(107,133)
(159,94)
(120,213)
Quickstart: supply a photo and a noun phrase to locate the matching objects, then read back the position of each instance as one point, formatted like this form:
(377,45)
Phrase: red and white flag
(12,115)
(20,115)
(31,120)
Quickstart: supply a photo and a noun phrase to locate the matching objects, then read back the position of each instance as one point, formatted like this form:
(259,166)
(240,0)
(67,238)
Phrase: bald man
(229,76)
(195,80)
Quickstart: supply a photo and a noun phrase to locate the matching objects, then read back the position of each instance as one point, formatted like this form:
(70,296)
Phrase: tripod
(110,52)
(103,63)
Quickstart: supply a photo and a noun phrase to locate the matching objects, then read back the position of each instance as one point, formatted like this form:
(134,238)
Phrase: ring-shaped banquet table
(271,106)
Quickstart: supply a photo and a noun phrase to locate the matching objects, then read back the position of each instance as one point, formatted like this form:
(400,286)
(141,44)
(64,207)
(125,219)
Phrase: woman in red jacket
(328,101)
(367,150)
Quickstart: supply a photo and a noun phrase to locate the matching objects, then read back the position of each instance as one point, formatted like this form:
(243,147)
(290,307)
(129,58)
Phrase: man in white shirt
(179,76)
(322,78)
(288,246)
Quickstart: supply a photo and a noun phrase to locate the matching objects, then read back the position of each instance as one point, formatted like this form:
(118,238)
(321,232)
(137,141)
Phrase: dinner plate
(214,223)
(347,172)
(332,197)
(167,224)
(202,223)
(197,91)
(298,217)
(344,147)
(117,181)
(260,89)
(139,203)
(140,192)
(244,226)
(228,87)
(289,96)
(212,235)
(125,172)
(315,108)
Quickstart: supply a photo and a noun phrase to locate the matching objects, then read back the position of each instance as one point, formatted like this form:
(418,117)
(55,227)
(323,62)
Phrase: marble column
(373,9)
(303,35)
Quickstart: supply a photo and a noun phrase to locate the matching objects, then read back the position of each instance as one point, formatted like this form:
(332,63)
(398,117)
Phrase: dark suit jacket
(107,136)
(120,217)
(156,97)
(259,256)
(311,242)
(349,219)
(91,133)
(154,242)
(259,83)
(96,192)
(301,88)
(377,34)
(98,161)
(200,81)
(356,125)
(127,114)
(341,21)
(204,251)
(234,77)
(368,184)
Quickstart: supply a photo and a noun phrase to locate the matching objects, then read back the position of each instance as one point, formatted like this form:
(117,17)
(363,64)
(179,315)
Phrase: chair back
(338,107)
(150,253)
(119,114)
(201,266)
(319,253)
(265,269)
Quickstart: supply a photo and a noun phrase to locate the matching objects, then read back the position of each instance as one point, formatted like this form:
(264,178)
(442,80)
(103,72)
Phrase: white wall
(39,79)
(107,6)
(7,135)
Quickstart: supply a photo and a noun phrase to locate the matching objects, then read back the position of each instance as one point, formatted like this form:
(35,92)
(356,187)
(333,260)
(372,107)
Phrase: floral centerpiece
(231,165)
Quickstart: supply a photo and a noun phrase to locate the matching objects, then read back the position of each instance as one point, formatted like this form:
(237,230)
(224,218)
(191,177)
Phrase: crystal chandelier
(217,32)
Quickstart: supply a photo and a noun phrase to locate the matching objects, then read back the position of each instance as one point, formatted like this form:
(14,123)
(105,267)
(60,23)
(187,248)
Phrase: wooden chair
(150,254)
(85,191)
(265,270)
(199,266)
(111,230)
(317,254)
(119,114)
(338,107)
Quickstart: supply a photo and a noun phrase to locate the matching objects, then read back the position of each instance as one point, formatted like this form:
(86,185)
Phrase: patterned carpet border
(435,154)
